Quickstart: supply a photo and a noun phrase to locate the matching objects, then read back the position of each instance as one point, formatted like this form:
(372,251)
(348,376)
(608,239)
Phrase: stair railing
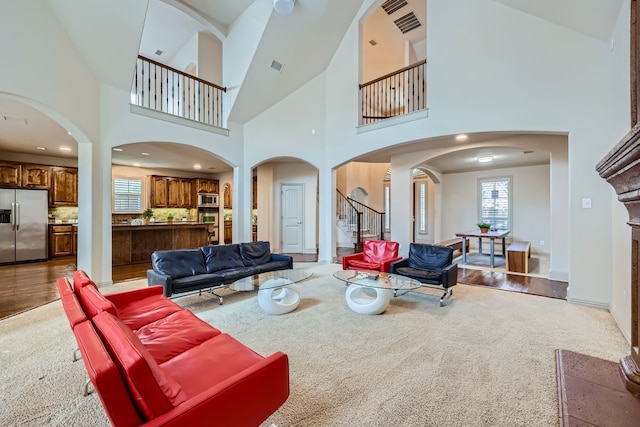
(360,219)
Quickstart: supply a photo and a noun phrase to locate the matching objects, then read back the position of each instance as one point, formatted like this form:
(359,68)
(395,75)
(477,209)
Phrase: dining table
(492,235)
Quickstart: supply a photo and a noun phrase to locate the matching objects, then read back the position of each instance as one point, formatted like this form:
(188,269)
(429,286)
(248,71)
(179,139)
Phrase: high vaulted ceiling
(288,39)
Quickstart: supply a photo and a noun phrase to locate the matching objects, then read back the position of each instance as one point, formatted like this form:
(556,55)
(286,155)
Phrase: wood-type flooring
(29,285)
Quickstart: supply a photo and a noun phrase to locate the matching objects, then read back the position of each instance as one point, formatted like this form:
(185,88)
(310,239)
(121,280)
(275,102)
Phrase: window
(495,202)
(127,195)
(422,208)
(387,206)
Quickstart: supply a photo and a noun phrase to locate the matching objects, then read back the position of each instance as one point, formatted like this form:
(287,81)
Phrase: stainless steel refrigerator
(23,225)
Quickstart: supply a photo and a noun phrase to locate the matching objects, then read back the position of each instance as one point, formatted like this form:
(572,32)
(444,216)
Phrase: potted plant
(146,216)
(484,226)
(170,218)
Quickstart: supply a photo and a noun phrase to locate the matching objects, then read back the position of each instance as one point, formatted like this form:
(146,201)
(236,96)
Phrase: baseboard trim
(587,303)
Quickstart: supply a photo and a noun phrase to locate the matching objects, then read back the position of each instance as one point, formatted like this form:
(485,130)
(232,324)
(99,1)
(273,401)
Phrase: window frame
(494,219)
(127,195)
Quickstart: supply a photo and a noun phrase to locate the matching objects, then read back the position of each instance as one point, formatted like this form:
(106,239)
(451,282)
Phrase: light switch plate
(586,203)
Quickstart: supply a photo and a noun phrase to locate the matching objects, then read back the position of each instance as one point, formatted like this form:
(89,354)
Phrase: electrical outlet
(541,242)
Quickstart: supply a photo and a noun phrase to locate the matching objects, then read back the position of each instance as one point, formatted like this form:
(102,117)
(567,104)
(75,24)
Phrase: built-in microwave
(207,200)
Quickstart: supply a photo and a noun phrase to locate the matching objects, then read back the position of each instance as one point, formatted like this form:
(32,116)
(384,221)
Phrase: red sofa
(153,363)
(376,255)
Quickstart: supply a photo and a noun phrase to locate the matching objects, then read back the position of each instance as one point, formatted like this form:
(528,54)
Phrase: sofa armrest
(385,265)
(404,262)
(157,278)
(265,385)
(279,257)
(450,275)
(125,297)
(347,258)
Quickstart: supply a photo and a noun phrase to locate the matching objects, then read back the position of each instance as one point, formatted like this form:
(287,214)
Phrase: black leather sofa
(209,267)
(431,265)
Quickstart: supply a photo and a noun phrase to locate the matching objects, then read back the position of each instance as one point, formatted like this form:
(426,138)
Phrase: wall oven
(207,200)
(207,217)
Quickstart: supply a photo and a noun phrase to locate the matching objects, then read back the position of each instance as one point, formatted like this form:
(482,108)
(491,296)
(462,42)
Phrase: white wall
(530,198)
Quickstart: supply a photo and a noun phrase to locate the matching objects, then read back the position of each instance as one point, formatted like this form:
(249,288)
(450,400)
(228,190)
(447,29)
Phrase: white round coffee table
(278,296)
(364,298)
(277,290)
(370,292)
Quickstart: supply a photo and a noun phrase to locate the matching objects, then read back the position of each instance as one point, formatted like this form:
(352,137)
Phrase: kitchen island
(132,244)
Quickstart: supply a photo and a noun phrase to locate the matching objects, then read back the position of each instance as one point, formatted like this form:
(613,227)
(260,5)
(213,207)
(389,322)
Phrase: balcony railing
(162,88)
(401,92)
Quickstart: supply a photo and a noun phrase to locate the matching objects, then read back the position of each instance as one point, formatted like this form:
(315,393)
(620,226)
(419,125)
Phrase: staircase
(359,220)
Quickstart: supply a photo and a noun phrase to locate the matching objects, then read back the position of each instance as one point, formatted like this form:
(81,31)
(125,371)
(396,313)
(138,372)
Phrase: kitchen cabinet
(228,232)
(64,186)
(36,176)
(62,240)
(203,185)
(170,192)
(10,175)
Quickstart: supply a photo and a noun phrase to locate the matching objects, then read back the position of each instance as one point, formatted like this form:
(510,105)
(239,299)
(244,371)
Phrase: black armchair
(430,265)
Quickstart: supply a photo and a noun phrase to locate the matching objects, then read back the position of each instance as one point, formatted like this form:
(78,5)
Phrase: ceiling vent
(277,66)
(408,22)
(391,6)
(372,42)
(158,52)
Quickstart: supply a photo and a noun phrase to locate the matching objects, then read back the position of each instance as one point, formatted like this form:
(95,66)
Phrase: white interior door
(292,218)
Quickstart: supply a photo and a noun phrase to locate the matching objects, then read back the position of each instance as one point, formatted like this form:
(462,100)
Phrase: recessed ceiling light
(145,154)
(197,166)
(484,159)
(136,164)
(65,148)
(117,149)
(461,137)
(40,148)
(68,133)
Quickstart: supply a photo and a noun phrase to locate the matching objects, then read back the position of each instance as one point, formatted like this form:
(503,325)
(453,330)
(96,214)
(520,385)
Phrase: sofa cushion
(377,251)
(93,302)
(81,279)
(273,265)
(231,275)
(254,253)
(212,362)
(179,263)
(363,265)
(429,257)
(138,313)
(200,281)
(153,390)
(222,257)
(167,337)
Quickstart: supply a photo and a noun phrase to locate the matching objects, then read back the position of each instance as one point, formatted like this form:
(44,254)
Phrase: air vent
(527,152)
(277,66)
(373,42)
(391,6)
(407,23)
(158,52)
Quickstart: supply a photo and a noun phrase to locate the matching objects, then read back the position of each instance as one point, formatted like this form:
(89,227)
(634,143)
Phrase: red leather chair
(376,255)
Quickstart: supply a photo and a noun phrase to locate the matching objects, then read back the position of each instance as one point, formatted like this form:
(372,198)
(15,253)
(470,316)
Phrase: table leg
(492,252)
(504,248)
(480,245)
(464,250)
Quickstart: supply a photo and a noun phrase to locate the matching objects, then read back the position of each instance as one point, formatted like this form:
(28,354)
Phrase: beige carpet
(486,359)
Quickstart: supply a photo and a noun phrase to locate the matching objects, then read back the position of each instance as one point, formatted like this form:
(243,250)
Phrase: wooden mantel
(621,169)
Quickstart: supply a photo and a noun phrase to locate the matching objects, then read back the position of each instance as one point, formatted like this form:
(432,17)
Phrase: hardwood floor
(29,285)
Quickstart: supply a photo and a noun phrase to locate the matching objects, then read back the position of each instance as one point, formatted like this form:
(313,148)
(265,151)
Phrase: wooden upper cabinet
(64,187)
(175,193)
(187,200)
(169,192)
(203,185)
(255,192)
(10,174)
(36,176)
(158,191)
